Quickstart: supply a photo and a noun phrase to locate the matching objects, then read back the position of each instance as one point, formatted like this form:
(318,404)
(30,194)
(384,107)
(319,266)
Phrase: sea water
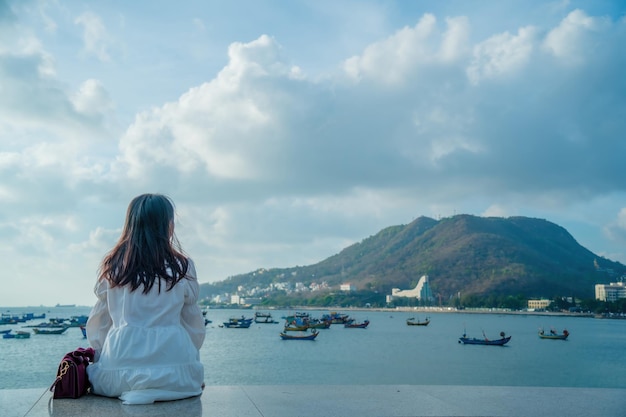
(386,352)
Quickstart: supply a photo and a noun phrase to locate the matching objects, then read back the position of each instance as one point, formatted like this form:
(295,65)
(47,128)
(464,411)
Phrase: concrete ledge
(337,400)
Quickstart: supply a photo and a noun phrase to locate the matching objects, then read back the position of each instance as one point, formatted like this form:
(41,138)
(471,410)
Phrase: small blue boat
(16,335)
(238,323)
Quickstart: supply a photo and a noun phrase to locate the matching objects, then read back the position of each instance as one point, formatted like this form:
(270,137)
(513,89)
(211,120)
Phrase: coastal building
(347,287)
(421,291)
(251,301)
(611,292)
(541,304)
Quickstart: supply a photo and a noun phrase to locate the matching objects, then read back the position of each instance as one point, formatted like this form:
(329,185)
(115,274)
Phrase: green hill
(462,254)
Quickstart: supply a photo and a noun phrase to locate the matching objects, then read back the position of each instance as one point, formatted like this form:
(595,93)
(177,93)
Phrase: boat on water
(264,318)
(338,318)
(53,324)
(504,339)
(7,318)
(306,336)
(356,325)
(5,331)
(17,335)
(553,334)
(49,331)
(292,327)
(320,324)
(412,322)
(77,321)
(83,330)
(204,313)
(238,323)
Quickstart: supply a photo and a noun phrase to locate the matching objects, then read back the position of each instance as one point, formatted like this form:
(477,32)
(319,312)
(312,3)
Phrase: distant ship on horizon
(65,305)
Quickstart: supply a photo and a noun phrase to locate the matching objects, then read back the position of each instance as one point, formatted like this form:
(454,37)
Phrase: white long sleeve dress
(147,345)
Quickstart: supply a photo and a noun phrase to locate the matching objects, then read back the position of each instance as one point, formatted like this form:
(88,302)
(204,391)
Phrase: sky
(287,131)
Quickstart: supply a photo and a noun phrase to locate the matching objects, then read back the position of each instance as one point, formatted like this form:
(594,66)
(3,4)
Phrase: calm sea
(387,352)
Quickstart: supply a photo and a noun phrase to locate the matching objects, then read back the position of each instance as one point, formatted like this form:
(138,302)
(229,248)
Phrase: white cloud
(228,127)
(271,164)
(496,210)
(92,99)
(389,60)
(574,38)
(616,229)
(501,55)
(96,39)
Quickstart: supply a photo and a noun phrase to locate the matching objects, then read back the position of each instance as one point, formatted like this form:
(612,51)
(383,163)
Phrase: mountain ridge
(462,254)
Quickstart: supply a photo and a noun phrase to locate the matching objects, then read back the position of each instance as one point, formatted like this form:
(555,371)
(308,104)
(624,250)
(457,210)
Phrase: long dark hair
(148,249)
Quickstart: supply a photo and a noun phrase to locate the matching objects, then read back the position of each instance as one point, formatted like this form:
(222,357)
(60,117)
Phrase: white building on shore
(421,291)
(611,292)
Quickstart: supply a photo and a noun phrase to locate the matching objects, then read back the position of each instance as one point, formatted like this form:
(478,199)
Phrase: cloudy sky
(286,131)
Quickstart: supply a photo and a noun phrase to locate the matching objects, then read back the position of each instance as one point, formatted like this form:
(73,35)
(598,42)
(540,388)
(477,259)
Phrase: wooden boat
(51,324)
(17,335)
(264,318)
(238,323)
(291,336)
(298,316)
(77,321)
(295,327)
(355,325)
(320,324)
(339,318)
(484,341)
(553,335)
(49,331)
(5,331)
(413,322)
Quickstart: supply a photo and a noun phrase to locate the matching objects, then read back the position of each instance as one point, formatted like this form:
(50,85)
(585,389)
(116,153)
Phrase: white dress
(147,345)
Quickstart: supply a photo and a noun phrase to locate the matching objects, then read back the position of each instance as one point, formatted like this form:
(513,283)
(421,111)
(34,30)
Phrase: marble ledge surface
(337,400)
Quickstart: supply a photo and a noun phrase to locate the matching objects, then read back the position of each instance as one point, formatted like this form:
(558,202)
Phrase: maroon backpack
(71,380)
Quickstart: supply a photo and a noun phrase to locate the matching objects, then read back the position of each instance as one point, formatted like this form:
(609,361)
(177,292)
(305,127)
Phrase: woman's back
(146,326)
(134,308)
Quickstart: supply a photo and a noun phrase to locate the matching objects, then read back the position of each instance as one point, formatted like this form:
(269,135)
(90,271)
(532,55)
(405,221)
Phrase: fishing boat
(238,323)
(291,336)
(77,321)
(553,334)
(412,322)
(5,331)
(204,313)
(264,318)
(338,318)
(293,327)
(17,335)
(485,341)
(319,324)
(83,330)
(54,324)
(356,325)
(49,331)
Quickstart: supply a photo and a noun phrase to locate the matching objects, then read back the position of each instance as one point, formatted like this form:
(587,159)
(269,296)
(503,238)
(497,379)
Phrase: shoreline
(422,309)
(446,310)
